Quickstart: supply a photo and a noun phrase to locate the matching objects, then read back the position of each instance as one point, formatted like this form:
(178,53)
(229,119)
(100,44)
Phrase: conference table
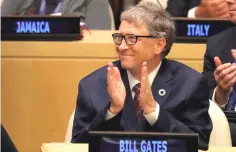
(65,147)
(40,82)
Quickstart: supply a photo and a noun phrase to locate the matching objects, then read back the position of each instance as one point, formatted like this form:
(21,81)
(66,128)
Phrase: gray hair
(159,23)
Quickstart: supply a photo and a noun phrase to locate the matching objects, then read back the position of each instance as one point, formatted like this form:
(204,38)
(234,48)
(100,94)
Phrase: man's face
(132,56)
(232,9)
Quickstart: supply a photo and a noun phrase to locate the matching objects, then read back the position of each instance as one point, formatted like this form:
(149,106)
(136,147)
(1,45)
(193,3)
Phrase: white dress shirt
(191,13)
(213,99)
(152,117)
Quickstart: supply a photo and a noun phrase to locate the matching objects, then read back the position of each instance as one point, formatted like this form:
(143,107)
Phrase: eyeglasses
(130,39)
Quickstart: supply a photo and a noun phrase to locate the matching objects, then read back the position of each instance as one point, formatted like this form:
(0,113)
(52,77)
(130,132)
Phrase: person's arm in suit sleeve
(177,8)
(12,7)
(86,119)
(194,118)
(181,8)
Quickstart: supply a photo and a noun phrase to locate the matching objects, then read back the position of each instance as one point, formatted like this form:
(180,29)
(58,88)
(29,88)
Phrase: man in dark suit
(220,69)
(143,91)
(198,8)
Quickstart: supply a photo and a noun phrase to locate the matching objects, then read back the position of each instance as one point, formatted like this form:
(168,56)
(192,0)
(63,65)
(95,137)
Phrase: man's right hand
(225,76)
(212,9)
(116,89)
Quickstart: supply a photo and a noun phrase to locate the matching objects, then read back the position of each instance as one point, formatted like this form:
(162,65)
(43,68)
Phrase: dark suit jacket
(6,143)
(219,45)
(183,109)
(180,8)
(13,7)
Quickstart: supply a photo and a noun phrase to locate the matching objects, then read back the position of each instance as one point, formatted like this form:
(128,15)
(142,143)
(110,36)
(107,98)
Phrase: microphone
(26,8)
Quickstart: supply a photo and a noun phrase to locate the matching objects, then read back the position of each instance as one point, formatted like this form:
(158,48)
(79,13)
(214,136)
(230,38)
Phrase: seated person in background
(98,13)
(143,91)
(30,7)
(220,69)
(198,8)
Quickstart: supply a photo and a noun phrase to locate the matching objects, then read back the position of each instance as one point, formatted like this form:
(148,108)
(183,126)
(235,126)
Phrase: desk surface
(94,42)
(64,147)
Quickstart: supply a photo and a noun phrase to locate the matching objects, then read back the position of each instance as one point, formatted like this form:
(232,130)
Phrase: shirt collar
(151,77)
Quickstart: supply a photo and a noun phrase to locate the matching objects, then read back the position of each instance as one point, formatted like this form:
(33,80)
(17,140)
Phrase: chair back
(220,135)
(68,136)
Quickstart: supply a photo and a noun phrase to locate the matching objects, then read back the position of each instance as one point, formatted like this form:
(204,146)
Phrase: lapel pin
(162,92)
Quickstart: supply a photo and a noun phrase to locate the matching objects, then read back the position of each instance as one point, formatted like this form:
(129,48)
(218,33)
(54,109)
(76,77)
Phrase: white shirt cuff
(152,117)
(109,115)
(55,14)
(191,13)
(213,99)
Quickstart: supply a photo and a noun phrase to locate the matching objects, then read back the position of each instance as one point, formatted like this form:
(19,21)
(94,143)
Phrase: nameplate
(199,30)
(33,28)
(102,141)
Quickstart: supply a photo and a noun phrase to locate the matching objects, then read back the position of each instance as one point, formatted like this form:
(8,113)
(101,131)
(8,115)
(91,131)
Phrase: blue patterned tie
(232,100)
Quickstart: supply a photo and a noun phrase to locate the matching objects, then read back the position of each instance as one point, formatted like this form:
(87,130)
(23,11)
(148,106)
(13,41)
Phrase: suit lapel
(128,116)
(161,87)
(225,54)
